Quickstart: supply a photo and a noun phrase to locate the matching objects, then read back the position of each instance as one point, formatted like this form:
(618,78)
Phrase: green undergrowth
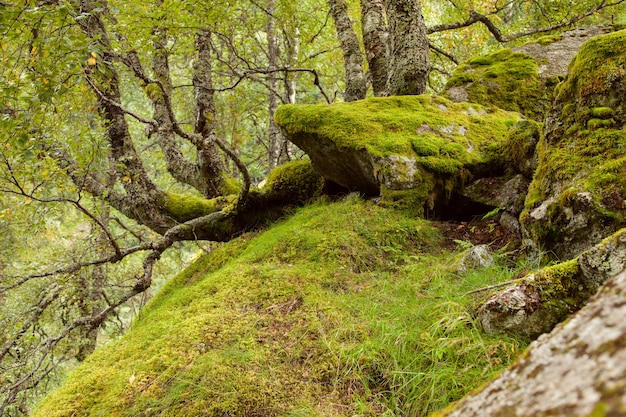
(342,309)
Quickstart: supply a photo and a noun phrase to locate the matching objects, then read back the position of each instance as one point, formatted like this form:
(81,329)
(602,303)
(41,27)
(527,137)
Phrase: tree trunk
(356,87)
(375,40)
(209,160)
(276,138)
(91,294)
(409,60)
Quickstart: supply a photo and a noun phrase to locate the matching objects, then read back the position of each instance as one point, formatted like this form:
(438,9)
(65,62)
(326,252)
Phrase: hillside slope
(344,308)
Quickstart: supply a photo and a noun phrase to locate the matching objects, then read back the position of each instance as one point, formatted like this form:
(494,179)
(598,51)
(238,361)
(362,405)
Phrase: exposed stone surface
(541,299)
(504,193)
(554,55)
(521,79)
(578,193)
(478,256)
(577,370)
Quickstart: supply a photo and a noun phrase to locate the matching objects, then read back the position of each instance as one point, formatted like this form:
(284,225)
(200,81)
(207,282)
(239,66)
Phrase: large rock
(578,193)
(414,150)
(540,300)
(519,79)
(577,370)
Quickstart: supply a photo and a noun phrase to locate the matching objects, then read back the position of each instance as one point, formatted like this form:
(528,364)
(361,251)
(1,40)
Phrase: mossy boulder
(294,181)
(578,193)
(520,79)
(540,300)
(577,370)
(415,149)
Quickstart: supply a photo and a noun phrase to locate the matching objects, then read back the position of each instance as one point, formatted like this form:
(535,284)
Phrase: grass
(344,308)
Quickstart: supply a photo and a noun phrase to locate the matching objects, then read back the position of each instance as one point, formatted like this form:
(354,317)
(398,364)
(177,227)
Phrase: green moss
(184,207)
(396,125)
(331,312)
(415,201)
(506,80)
(153,91)
(601,112)
(548,39)
(593,124)
(584,151)
(230,185)
(294,181)
(407,137)
(600,410)
(521,146)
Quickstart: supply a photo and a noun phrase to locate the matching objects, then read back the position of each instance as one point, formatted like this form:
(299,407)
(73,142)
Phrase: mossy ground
(342,309)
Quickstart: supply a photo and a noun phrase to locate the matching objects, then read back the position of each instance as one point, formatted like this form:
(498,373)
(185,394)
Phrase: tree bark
(409,51)
(142,199)
(209,161)
(356,86)
(276,138)
(178,166)
(375,40)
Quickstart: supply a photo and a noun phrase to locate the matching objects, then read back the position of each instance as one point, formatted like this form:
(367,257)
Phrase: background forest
(130,130)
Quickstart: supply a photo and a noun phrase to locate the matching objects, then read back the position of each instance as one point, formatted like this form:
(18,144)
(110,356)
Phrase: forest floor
(477,231)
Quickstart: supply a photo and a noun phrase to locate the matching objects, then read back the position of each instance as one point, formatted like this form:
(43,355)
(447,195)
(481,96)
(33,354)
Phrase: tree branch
(475,17)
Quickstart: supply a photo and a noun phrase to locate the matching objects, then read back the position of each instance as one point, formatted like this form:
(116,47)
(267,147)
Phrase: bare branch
(475,17)
(119,106)
(442,52)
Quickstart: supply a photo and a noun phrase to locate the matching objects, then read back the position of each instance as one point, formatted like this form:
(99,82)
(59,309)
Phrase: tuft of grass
(344,308)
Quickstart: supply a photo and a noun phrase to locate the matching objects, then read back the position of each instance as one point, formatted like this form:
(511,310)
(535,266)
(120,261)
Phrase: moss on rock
(578,194)
(294,181)
(399,143)
(520,152)
(504,79)
(522,79)
(541,299)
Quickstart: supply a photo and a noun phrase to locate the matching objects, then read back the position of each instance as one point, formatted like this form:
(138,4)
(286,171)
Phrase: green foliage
(342,309)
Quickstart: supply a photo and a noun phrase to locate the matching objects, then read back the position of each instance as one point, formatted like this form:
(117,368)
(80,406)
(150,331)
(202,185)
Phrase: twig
(491,287)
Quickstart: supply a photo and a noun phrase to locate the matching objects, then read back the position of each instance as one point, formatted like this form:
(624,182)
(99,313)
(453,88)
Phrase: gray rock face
(507,194)
(578,193)
(554,57)
(478,256)
(540,300)
(577,370)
